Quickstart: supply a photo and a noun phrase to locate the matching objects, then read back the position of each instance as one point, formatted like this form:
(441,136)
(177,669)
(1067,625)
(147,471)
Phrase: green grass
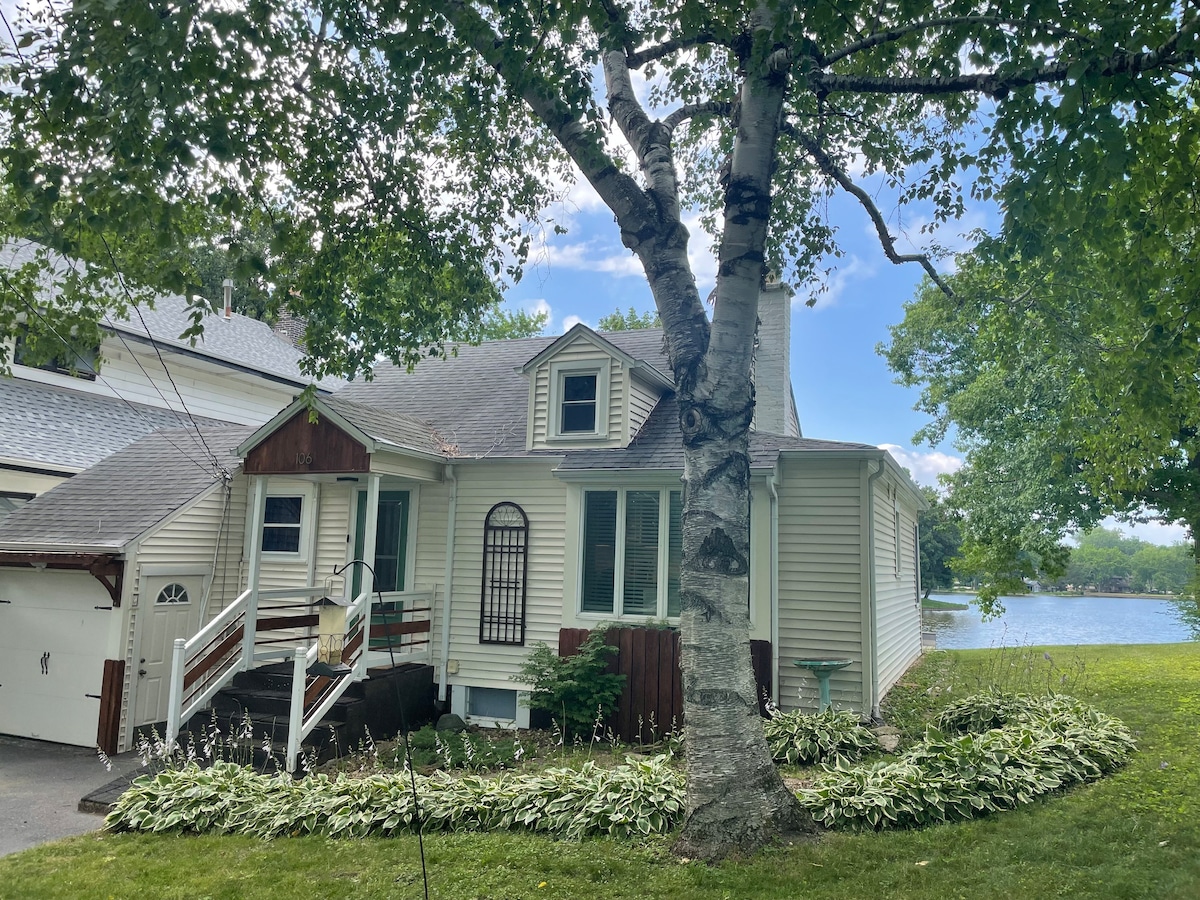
(1133,835)
(942,604)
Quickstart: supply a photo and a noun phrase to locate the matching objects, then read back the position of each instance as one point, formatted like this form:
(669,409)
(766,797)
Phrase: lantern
(331,636)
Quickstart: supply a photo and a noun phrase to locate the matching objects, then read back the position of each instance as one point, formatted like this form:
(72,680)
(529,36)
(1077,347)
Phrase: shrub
(1042,745)
(639,798)
(800,739)
(575,690)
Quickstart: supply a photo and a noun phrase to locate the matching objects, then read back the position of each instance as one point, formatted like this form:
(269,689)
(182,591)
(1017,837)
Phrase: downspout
(772,486)
(448,581)
(871,657)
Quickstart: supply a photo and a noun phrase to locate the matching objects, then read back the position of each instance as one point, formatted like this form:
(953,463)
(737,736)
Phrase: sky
(844,389)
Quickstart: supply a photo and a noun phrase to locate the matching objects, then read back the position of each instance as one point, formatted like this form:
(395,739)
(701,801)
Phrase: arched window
(172,593)
(505,566)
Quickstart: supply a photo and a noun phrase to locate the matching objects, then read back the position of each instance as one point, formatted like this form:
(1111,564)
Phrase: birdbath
(823,667)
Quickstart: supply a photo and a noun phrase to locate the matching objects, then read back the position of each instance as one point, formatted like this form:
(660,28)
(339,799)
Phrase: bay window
(632,550)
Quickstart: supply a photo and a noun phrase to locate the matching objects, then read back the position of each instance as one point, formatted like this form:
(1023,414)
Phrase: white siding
(335,525)
(897,606)
(208,531)
(134,373)
(541,421)
(642,400)
(820,578)
(480,486)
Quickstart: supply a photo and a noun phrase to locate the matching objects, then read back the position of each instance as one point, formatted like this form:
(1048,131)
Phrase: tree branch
(895,34)
(828,165)
(720,108)
(621,193)
(997,85)
(658,51)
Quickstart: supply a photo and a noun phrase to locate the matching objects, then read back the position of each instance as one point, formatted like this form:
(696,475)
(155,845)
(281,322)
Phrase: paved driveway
(41,785)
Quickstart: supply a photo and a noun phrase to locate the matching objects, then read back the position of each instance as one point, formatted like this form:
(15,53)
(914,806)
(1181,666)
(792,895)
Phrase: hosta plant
(1044,744)
(798,738)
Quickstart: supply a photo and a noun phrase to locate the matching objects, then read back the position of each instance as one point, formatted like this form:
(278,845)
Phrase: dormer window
(578,404)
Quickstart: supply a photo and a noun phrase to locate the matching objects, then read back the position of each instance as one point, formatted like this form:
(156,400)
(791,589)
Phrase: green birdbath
(823,667)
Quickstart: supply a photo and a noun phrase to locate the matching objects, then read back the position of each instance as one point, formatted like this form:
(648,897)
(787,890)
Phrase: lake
(1046,619)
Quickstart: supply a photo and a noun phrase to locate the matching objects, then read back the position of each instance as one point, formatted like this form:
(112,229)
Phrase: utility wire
(154,344)
(155,427)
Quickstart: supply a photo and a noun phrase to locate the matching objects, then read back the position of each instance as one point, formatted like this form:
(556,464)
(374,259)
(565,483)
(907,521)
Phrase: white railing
(301,719)
(204,664)
(224,644)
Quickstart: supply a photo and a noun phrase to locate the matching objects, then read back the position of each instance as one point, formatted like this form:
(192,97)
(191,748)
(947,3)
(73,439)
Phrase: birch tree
(408,151)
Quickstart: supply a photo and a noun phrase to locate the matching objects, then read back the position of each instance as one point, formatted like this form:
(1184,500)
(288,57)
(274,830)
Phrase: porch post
(370,524)
(258,507)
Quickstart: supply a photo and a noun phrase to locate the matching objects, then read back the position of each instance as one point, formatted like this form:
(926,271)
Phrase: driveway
(41,785)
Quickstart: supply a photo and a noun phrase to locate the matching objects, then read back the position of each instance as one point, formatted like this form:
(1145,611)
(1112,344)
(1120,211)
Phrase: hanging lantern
(331,635)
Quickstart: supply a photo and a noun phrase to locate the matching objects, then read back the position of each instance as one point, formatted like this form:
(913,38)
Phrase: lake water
(1045,619)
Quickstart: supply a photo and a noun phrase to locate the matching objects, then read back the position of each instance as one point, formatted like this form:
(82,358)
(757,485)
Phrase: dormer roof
(649,371)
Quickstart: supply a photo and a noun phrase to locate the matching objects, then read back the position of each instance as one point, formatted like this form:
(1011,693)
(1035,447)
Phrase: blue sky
(844,389)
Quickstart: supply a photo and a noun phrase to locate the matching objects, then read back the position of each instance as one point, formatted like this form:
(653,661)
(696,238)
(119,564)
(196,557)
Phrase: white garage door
(54,629)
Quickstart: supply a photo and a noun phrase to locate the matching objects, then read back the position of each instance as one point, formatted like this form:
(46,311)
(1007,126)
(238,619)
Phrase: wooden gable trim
(301,447)
(105,568)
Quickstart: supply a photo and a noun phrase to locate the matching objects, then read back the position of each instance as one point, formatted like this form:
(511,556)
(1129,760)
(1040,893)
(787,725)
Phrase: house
(61,417)
(509,491)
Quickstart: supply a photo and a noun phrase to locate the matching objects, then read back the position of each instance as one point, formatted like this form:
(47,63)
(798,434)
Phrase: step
(275,703)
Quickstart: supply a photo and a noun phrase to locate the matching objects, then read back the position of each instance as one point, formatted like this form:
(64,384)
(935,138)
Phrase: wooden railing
(283,623)
(205,663)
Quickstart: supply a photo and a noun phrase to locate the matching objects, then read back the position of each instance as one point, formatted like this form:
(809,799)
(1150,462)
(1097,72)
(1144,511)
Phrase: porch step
(268,702)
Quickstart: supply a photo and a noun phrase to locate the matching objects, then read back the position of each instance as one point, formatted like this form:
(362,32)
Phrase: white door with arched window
(168,608)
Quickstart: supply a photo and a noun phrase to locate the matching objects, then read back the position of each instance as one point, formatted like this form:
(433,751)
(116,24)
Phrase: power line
(154,344)
(154,426)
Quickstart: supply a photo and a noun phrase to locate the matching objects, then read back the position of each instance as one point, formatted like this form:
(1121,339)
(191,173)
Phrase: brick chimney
(774,411)
(290,328)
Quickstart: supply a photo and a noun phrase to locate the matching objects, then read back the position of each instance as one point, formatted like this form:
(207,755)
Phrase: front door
(391,541)
(170,609)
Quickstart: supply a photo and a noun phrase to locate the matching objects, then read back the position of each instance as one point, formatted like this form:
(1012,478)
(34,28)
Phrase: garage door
(54,629)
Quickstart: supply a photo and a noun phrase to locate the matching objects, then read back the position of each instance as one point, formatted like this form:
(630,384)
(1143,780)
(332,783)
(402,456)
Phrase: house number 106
(303,459)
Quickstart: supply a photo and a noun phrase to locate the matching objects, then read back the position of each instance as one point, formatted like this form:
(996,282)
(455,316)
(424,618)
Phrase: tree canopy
(941,538)
(407,152)
(632,320)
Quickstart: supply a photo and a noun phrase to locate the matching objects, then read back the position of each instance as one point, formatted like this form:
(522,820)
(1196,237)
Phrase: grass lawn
(1135,834)
(927,603)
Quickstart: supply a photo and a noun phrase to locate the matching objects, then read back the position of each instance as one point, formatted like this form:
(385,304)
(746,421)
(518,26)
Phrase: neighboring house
(509,491)
(60,418)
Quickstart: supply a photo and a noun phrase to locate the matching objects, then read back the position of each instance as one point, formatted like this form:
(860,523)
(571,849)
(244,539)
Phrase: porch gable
(301,447)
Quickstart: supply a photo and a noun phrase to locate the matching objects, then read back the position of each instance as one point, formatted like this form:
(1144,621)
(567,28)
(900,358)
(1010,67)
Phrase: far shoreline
(958,592)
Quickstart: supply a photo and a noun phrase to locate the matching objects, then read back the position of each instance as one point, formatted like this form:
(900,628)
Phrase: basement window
(494,704)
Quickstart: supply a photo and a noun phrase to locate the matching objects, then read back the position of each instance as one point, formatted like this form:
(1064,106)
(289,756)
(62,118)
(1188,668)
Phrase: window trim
(307,496)
(617,612)
(559,372)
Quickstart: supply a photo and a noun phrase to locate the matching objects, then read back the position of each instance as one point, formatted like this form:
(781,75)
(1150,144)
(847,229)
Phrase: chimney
(290,328)
(774,410)
(227,284)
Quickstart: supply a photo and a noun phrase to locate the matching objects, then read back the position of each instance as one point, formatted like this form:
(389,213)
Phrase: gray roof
(59,427)
(238,341)
(121,497)
(658,446)
(475,403)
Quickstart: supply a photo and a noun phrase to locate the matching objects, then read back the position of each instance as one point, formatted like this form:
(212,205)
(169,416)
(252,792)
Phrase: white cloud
(924,466)
(851,270)
(570,322)
(592,256)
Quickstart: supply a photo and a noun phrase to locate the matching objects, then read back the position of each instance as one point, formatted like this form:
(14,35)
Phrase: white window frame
(664,555)
(307,495)
(559,372)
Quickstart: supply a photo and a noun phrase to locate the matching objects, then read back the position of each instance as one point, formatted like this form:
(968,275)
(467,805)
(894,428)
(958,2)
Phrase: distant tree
(941,537)
(629,321)
(501,325)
